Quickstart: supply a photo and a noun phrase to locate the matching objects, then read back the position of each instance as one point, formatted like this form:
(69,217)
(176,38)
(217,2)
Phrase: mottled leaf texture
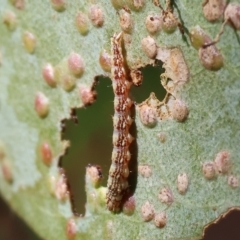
(185,157)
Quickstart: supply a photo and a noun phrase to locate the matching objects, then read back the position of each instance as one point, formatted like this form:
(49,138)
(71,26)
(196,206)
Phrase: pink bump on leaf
(19,4)
(223,162)
(149,47)
(2,151)
(87,95)
(58,5)
(153,23)
(94,174)
(68,82)
(48,75)
(232,14)
(10,20)
(147,211)
(126,21)
(213,9)
(160,219)
(210,57)
(145,170)
(75,64)
(136,5)
(29,41)
(148,115)
(129,205)
(7,170)
(182,183)
(81,22)
(162,137)
(166,196)
(209,170)
(96,15)
(71,229)
(179,110)
(46,153)
(105,61)
(60,186)
(41,105)
(169,22)
(233,181)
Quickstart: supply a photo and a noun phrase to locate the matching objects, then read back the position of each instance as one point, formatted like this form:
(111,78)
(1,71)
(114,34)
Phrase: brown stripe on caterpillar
(119,171)
(121,122)
(122,156)
(121,139)
(121,88)
(122,104)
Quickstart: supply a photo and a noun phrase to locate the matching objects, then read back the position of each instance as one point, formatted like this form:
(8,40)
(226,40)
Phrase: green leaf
(36,189)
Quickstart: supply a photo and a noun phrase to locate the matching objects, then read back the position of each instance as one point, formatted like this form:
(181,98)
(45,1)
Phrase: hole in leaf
(91,138)
(226,228)
(151,83)
(91,142)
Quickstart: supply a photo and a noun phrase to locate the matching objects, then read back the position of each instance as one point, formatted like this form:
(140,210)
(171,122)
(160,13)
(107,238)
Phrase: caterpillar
(117,181)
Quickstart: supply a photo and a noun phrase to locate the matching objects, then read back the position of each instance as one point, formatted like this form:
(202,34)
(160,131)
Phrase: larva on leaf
(118,173)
